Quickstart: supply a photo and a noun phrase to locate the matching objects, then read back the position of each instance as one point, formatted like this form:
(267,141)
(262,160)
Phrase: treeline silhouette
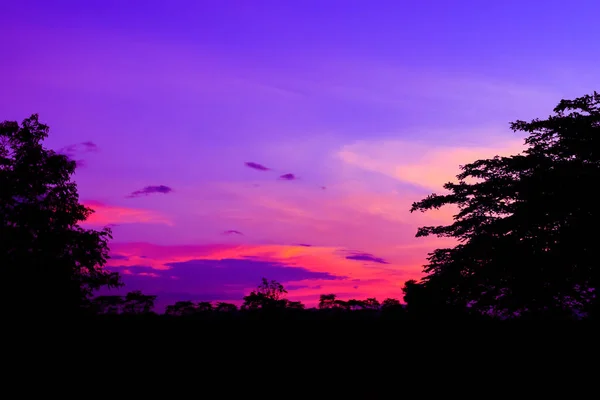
(267,300)
(527,230)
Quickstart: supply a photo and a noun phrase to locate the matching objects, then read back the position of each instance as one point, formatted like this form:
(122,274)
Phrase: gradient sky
(229,140)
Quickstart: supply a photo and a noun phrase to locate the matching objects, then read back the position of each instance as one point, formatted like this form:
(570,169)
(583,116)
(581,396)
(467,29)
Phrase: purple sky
(230,134)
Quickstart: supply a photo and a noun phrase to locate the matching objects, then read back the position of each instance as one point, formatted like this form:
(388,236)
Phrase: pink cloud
(105,214)
(328,261)
(421,164)
(347,215)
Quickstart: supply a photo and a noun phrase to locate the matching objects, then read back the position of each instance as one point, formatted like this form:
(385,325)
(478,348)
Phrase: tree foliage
(49,262)
(204,306)
(327,301)
(225,307)
(132,303)
(268,295)
(390,304)
(526,226)
(181,308)
(138,303)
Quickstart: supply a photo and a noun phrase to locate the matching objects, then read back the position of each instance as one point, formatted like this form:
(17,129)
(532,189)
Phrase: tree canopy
(268,295)
(49,262)
(526,224)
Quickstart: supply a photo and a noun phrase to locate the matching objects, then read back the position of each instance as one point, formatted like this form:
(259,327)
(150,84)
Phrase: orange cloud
(107,214)
(424,165)
(364,216)
(362,279)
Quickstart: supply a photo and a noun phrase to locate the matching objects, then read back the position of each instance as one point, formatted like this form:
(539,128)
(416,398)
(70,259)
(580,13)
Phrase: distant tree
(225,307)
(269,294)
(138,303)
(327,301)
(295,305)
(389,302)
(108,304)
(204,306)
(181,308)
(341,305)
(526,224)
(256,301)
(353,304)
(371,304)
(45,255)
(271,289)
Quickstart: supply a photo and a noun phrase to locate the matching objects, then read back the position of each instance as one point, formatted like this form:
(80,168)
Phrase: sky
(226,141)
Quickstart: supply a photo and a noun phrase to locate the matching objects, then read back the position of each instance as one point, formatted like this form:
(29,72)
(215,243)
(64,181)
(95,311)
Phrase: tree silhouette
(110,304)
(356,304)
(204,306)
(225,307)
(271,289)
(390,303)
(256,301)
(181,308)
(527,224)
(327,301)
(392,306)
(341,305)
(422,300)
(43,251)
(295,305)
(268,295)
(371,304)
(133,303)
(138,303)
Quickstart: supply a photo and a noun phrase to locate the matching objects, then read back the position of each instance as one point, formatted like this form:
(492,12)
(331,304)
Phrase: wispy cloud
(74,150)
(68,151)
(232,232)
(89,146)
(84,147)
(422,164)
(288,177)
(150,190)
(366,257)
(256,166)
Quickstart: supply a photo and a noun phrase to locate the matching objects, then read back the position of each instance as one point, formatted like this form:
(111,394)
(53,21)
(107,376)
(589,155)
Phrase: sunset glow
(224,142)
